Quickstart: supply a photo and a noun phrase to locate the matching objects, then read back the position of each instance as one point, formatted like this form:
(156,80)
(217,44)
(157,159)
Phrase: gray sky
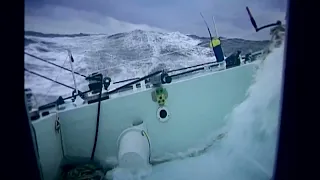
(112,16)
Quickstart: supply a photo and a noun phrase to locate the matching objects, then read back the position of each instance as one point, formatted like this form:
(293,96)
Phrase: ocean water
(249,149)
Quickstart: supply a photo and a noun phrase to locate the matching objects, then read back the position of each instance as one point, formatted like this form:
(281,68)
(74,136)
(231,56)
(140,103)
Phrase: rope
(52,64)
(97,123)
(60,132)
(48,78)
(46,95)
(61,141)
(89,171)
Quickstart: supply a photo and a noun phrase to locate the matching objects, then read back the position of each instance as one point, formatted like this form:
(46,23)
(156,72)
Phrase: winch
(96,81)
(162,78)
(95,84)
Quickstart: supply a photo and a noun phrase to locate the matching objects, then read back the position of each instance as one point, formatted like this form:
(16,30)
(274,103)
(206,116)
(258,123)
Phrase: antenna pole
(215,44)
(208,30)
(215,27)
(254,24)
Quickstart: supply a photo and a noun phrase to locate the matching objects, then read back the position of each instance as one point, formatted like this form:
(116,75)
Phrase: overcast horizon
(115,16)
